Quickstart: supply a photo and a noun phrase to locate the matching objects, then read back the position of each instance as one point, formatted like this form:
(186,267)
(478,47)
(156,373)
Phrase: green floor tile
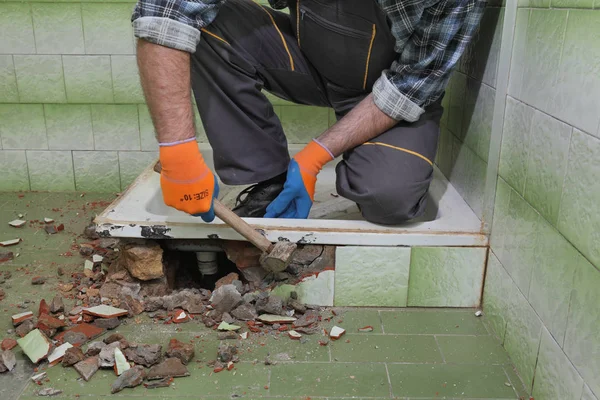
(352,319)
(516,381)
(12,383)
(386,348)
(282,349)
(472,350)
(450,381)
(432,322)
(333,380)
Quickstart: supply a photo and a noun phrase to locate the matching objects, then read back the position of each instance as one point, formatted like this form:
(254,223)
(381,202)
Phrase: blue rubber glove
(297,197)
(209,216)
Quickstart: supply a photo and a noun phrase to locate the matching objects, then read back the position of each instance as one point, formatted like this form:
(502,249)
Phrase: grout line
(381,322)
(510,381)
(387,373)
(32,28)
(440,349)
(62,66)
(564,179)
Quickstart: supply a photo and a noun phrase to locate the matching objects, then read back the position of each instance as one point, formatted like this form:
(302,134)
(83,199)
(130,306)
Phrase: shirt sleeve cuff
(393,103)
(167,32)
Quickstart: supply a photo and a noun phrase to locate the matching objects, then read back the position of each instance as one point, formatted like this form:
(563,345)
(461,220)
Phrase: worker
(382,65)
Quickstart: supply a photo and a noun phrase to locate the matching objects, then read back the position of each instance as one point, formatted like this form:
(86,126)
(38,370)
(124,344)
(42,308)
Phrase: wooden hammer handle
(238,224)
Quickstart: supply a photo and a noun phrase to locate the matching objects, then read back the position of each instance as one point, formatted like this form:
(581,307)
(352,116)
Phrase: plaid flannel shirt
(431,35)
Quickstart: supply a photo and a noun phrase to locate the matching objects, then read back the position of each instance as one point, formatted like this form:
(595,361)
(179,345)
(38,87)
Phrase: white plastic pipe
(207,262)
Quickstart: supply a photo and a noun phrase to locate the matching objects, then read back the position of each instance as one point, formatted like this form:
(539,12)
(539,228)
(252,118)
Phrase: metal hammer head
(279,256)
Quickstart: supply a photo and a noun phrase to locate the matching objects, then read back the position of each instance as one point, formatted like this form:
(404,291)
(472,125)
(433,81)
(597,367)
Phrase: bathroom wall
(72,114)
(542,291)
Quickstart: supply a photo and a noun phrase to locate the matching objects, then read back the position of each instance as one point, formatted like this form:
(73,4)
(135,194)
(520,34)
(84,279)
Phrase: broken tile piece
(107,355)
(88,332)
(17,319)
(50,321)
(165,382)
(11,242)
(88,265)
(244,335)
(129,379)
(180,317)
(8,344)
(364,329)
(336,332)
(276,319)
(17,223)
(183,351)
(48,220)
(97,258)
(121,364)
(87,368)
(172,367)
(94,348)
(294,335)
(48,392)
(39,377)
(50,229)
(58,353)
(478,313)
(35,345)
(7,361)
(146,354)
(224,326)
(104,311)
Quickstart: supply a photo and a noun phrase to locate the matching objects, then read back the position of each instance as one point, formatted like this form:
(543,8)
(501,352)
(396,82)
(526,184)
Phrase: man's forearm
(360,125)
(165,78)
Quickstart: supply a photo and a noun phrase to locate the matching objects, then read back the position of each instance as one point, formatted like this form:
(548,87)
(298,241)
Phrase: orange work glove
(186,181)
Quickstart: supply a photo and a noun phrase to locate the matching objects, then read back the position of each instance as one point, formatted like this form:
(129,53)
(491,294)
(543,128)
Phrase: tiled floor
(411,354)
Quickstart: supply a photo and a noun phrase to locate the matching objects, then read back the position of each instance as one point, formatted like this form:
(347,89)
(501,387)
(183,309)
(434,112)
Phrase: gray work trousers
(325,53)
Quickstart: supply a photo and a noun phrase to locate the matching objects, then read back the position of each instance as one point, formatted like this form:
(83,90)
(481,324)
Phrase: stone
(75,338)
(309,318)
(271,305)
(132,305)
(297,306)
(87,368)
(245,312)
(227,280)
(226,298)
(115,337)
(144,354)
(7,361)
(180,350)
(8,344)
(226,317)
(227,335)
(57,304)
(59,352)
(250,297)
(90,232)
(226,353)
(94,349)
(107,323)
(143,261)
(254,275)
(165,382)
(107,355)
(172,367)
(129,379)
(6,256)
(72,356)
(49,392)
(35,345)
(38,280)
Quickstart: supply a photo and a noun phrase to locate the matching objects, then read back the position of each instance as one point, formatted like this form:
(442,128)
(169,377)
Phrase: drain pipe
(207,262)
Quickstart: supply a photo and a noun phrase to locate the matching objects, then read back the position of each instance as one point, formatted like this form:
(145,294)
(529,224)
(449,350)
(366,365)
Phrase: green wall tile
(522,339)
(534,3)
(468,176)
(548,158)
(96,171)
(545,35)
(147,134)
(40,79)
(132,163)
(501,225)
(457,91)
(126,80)
(69,127)
(477,119)
(519,54)
(88,79)
(578,82)
(582,342)
(50,170)
(516,135)
(587,394)
(58,28)
(13,165)
(446,276)
(8,80)
(579,216)
(107,28)
(116,127)
(552,279)
(16,29)
(555,376)
(499,288)
(303,123)
(573,3)
(444,152)
(518,253)
(23,126)
(384,276)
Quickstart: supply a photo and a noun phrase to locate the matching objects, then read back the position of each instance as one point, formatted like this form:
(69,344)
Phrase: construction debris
(57,304)
(39,378)
(38,280)
(478,313)
(336,332)
(95,348)
(35,345)
(226,353)
(104,311)
(25,327)
(165,382)
(107,355)
(48,220)
(366,329)
(6,256)
(8,344)
(87,368)
(72,356)
(10,242)
(245,312)
(146,354)
(276,319)
(7,361)
(17,223)
(57,355)
(17,319)
(171,367)
(121,364)
(107,323)
(180,350)
(129,379)
(224,326)
(225,298)
(271,305)
(49,392)
(294,335)
(143,261)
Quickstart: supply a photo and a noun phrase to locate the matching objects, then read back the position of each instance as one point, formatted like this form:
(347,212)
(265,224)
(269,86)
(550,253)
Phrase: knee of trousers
(394,203)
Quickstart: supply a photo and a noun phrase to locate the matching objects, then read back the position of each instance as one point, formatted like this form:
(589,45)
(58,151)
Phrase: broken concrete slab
(107,355)
(57,305)
(245,312)
(145,354)
(121,364)
(275,319)
(72,356)
(271,305)
(25,327)
(49,392)
(8,344)
(172,367)
(17,319)
(143,261)
(104,311)
(94,348)
(183,351)
(17,223)
(225,298)
(10,242)
(35,345)
(87,368)
(7,361)
(107,323)
(58,353)
(129,379)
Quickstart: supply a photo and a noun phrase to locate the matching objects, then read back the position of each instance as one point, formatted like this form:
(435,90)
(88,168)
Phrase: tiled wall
(542,291)
(469,102)
(72,114)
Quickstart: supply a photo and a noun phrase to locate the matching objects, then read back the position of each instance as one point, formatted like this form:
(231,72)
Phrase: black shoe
(258,197)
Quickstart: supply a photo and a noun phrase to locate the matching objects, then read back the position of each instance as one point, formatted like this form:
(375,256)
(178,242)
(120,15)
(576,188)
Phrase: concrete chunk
(145,354)
(183,351)
(170,367)
(87,368)
(129,379)
(225,298)
(143,261)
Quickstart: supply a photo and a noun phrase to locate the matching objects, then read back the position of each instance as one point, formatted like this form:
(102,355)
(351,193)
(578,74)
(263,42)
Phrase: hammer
(276,256)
